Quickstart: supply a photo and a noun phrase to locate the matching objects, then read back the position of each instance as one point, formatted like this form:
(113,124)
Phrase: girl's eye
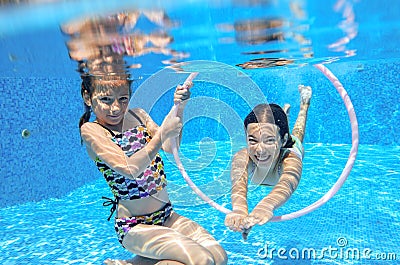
(106,99)
(124,99)
(270,141)
(252,141)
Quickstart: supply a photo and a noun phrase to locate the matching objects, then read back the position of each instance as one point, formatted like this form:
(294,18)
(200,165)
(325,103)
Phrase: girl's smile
(264,143)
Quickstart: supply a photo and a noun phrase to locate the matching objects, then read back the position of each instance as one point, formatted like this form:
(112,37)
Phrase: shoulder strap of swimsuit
(112,133)
(135,115)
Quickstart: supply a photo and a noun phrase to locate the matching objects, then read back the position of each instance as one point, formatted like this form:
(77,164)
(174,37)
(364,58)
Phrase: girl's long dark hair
(86,115)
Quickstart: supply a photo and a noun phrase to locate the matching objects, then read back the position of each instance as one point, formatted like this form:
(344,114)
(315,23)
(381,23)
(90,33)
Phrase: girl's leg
(138,260)
(200,235)
(300,125)
(176,241)
(286,109)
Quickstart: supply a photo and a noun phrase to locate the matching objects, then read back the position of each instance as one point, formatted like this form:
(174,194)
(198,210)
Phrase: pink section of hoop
(339,183)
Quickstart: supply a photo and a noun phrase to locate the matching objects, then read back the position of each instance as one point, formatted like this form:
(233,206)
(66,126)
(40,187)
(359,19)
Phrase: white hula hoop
(334,189)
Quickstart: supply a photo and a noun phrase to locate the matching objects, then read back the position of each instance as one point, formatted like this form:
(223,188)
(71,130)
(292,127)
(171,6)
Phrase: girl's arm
(153,127)
(288,182)
(98,142)
(181,95)
(239,178)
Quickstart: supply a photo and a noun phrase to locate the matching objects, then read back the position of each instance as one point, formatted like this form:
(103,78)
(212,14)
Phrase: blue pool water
(50,192)
(74,230)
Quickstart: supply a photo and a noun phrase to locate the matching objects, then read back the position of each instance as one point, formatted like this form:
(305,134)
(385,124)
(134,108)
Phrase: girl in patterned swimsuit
(124,145)
(272,157)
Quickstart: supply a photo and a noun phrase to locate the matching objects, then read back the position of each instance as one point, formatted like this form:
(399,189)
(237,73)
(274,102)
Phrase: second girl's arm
(233,220)
(239,179)
(292,168)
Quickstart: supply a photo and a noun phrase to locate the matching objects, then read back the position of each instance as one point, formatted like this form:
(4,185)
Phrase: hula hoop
(334,189)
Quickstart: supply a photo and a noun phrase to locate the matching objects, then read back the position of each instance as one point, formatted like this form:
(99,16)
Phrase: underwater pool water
(50,195)
(74,229)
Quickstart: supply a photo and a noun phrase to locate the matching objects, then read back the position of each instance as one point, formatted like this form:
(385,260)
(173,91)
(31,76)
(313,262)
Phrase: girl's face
(263,143)
(109,104)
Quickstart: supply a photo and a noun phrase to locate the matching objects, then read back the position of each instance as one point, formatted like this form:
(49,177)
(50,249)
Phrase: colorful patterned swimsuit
(149,182)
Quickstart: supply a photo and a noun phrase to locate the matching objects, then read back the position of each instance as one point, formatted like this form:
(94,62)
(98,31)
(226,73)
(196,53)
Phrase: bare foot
(305,94)
(286,109)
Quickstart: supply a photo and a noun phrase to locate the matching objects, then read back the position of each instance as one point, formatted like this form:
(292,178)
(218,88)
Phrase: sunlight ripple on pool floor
(80,234)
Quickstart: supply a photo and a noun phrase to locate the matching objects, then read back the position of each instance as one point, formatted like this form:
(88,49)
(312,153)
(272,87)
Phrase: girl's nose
(115,106)
(260,149)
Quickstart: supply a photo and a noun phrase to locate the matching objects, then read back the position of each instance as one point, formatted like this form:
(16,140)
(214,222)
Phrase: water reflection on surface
(100,44)
(248,34)
(271,30)
(281,37)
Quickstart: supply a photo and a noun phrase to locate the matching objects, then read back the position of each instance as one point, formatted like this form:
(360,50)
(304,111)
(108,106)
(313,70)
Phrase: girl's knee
(220,256)
(169,262)
(208,260)
(203,257)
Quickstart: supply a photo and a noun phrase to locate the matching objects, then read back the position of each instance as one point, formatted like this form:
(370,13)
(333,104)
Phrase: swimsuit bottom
(123,225)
